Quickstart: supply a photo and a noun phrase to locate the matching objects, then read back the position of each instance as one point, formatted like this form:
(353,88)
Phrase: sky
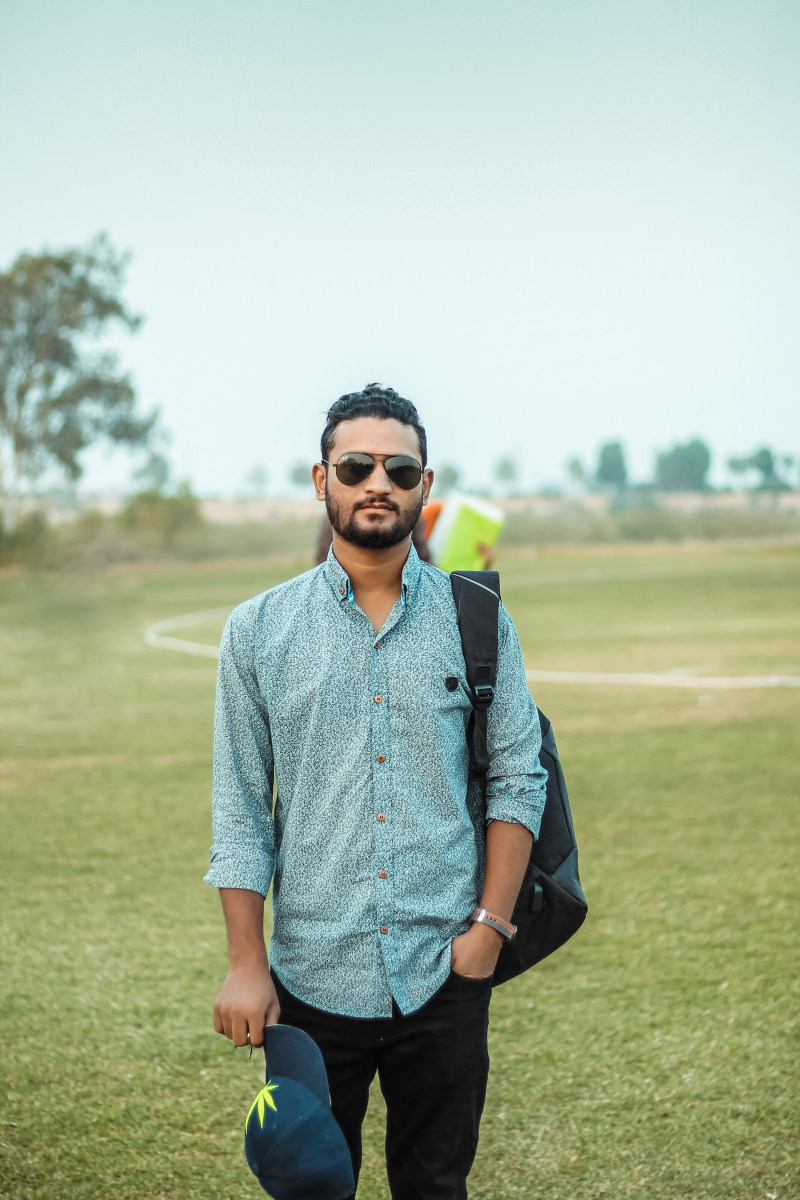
(550,225)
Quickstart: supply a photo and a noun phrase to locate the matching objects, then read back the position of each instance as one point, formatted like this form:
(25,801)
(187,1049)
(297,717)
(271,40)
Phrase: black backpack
(551,905)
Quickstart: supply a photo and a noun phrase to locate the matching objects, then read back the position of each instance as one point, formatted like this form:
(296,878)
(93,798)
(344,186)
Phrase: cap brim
(290,1052)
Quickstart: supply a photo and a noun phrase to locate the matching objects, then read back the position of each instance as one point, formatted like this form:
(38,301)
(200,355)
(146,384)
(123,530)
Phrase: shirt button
(381,817)
(381,874)
(378,699)
(341,591)
(384,928)
(381,758)
(377,645)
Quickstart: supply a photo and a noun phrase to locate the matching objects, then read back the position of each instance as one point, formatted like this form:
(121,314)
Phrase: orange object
(429,514)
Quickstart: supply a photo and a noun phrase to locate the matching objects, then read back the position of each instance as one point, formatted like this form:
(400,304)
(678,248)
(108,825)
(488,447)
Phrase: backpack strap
(477,599)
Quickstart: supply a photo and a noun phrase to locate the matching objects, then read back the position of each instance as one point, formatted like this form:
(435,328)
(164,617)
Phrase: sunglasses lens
(352,469)
(404,472)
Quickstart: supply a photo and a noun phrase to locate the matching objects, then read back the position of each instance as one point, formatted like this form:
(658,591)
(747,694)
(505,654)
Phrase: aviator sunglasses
(355,468)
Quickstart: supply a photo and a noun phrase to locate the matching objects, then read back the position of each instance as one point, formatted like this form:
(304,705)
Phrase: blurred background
(568,233)
(555,228)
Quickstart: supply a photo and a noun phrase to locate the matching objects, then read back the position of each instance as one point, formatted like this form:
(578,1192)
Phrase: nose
(379,482)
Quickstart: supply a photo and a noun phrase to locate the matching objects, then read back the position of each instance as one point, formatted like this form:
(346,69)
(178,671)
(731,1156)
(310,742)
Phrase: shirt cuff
(525,811)
(227,871)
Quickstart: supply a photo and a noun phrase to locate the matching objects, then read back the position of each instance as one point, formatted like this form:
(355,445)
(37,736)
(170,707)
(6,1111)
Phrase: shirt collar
(340,581)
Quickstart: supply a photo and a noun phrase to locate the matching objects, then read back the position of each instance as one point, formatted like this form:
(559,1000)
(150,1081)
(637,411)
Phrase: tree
(505,471)
(611,470)
(788,462)
(683,468)
(300,474)
(59,393)
(154,472)
(577,472)
(256,480)
(763,462)
(160,519)
(447,477)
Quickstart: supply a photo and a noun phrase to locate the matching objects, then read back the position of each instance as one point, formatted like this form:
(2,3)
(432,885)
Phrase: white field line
(155,636)
(698,682)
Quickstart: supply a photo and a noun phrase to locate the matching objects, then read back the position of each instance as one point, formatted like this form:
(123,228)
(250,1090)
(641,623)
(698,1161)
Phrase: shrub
(160,520)
(29,543)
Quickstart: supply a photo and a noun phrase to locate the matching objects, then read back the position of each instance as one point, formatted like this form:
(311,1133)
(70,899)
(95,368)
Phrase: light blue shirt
(377,844)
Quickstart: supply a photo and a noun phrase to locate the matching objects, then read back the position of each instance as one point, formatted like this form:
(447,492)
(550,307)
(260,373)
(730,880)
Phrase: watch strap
(484,917)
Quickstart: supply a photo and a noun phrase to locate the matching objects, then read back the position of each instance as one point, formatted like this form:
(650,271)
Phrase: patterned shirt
(376,848)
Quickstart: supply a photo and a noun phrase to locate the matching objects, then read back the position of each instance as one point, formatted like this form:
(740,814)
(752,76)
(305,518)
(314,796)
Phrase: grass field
(653,1057)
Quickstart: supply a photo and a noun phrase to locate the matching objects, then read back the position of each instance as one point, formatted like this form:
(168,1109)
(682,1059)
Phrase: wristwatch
(485,917)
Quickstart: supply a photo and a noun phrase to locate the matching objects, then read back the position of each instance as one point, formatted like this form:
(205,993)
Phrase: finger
(257,1034)
(238,1032)
(219,1024)
(273,1013)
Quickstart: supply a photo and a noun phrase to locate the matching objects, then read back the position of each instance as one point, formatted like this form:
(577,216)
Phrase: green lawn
(655,1056)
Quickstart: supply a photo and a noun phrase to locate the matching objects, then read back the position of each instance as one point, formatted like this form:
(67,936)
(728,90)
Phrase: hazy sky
(548,224)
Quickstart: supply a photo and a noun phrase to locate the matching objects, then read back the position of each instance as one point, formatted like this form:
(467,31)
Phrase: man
(345,686)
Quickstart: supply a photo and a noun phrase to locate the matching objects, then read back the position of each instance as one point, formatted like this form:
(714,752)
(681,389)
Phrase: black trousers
(432,1066)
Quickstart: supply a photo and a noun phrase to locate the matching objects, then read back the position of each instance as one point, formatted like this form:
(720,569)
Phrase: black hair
(374,401)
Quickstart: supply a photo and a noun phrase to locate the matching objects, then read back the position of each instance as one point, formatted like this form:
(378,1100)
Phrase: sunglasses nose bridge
(378,479)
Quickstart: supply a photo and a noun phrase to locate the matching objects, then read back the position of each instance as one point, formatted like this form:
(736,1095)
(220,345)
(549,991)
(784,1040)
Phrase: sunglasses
(355,468)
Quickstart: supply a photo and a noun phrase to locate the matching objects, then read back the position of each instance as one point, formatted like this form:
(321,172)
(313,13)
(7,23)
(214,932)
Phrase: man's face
(376,513)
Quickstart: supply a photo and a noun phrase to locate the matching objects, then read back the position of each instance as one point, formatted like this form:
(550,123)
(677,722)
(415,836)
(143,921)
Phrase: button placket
(379,732)
(397,613)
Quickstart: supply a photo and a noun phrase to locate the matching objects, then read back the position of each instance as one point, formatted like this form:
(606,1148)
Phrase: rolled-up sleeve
(515,787)
(242,855)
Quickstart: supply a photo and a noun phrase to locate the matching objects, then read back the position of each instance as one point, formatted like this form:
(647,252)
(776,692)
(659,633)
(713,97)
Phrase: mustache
(376,504)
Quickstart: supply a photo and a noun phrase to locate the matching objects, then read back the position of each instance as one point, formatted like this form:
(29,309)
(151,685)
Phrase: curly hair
(374,401)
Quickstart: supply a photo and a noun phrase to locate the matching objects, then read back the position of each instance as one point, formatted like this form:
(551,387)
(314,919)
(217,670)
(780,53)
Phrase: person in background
(393,886)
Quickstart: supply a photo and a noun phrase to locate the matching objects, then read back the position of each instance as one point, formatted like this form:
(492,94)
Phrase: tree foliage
(577,471)
(611,470)
(506,472)
(447,478)
(764,463)
(684,467)
(154,473)
(161,519)
(60,390)
(300,475)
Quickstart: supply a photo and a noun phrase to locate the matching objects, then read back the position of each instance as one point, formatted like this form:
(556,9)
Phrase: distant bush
(153,526)
(29,543)
(648,524)
(643,522)
(570,523)
(160,520)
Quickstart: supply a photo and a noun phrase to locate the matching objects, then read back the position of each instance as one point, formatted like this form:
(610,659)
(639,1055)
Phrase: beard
(377,537)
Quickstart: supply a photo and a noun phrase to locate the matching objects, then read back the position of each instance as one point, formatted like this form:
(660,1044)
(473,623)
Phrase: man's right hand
(246,1002)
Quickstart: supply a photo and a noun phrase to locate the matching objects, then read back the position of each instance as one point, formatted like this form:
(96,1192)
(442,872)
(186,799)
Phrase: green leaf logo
(262,1101)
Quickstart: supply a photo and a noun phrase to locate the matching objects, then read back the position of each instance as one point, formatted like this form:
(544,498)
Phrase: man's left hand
(474,954)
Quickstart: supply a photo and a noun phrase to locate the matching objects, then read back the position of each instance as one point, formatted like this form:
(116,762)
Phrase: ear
(319,473)
(427,481)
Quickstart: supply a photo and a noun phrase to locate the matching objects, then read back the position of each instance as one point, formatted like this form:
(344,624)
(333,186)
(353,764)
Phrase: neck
(372,570)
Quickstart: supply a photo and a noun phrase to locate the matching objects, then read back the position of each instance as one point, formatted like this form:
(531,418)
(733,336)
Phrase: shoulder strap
(477,599)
